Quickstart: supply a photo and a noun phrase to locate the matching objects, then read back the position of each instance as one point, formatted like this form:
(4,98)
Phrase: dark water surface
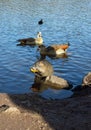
(64,20)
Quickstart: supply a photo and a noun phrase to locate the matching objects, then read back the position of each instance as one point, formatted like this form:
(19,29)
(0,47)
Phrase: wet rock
(54,82)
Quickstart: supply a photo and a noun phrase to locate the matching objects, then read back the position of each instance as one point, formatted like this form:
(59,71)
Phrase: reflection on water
(63,21)
(50,92)
(64,55)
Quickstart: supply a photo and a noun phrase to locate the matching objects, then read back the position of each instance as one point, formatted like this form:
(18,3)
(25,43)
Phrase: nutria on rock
(43,71)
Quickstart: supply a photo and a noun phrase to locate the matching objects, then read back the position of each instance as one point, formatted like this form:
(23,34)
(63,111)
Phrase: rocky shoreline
(31,112)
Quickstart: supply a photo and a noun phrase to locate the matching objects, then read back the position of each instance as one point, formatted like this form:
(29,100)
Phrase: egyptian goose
(32,41)
(40,22)
(53,50)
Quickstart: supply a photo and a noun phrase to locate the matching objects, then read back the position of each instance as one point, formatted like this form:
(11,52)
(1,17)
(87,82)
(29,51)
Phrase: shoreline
(30,112)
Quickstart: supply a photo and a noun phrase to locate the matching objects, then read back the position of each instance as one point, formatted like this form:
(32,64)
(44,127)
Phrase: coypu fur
(44,76)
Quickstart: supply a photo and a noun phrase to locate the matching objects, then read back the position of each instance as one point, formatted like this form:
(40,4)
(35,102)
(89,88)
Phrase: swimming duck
(40,22)
(53,50)
(32,41)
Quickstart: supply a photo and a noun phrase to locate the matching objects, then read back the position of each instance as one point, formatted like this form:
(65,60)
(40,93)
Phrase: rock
(54,82)
(12,110)
(3,107)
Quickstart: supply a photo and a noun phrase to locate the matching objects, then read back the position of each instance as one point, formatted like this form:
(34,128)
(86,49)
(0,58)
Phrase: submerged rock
(53,82)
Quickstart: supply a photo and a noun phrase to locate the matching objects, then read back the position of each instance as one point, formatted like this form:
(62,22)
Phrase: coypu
(42,68)
(43,71)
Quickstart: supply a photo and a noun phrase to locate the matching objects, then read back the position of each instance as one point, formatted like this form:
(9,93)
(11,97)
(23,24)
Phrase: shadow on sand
(56,113)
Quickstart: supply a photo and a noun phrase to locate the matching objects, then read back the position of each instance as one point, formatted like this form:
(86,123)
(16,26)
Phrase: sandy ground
(30,112)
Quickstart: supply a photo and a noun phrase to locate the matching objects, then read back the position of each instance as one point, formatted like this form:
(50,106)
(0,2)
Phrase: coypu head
(42,68)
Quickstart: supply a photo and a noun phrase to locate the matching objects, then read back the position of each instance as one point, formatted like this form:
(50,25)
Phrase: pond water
(64,20)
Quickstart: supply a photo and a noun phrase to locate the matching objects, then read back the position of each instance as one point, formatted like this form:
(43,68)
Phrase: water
(63,21)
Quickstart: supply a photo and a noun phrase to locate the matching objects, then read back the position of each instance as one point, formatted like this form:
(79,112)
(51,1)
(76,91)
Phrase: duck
(53,50)
(32,41)
(40,22)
